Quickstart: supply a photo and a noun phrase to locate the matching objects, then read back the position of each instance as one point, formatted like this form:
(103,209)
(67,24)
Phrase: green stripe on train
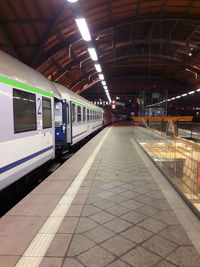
(35,90)
(24,86)
(78,103)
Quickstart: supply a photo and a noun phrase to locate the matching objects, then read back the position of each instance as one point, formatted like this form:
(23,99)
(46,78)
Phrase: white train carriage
(37,115)
(27,136)
(75,117)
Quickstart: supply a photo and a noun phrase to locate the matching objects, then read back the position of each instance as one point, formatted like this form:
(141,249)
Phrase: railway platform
(108,205)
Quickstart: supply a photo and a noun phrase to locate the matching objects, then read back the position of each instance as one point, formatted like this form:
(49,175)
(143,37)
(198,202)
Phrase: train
(38,116)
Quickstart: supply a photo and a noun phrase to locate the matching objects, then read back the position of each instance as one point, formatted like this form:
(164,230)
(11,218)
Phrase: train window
(88,114)
(79,117)
(46,113)
(73,112)
(84,116)
(24,108)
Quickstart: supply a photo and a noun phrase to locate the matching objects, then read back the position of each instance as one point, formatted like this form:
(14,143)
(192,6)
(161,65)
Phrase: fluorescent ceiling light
(105,87)
(93,53)
(106,91)
(103,83)
(169,100)
(178,96)
(101,77)
(198,90)
(72,1)
(83,28)
(191,92)
(98,67)
(173,98)
(184,94)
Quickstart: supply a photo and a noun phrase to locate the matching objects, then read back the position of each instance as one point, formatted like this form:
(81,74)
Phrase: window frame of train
(73,113)
(84,114)
(79,113)
(24,111)
(47,123)
(88,114)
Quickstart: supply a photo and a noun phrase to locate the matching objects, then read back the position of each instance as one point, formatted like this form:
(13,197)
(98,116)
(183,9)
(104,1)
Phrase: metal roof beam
(70,65)
(24,21)
(49,31)
(159,17)
(193,44)
(197,27)
(81,78)
(39,61)
(147,76)
(51,53)
(146,56)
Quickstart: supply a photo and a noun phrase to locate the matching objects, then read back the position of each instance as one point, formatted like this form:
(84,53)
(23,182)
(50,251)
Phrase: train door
(62,123)
(68,122)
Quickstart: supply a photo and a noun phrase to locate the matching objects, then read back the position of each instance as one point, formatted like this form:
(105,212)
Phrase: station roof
(138,42)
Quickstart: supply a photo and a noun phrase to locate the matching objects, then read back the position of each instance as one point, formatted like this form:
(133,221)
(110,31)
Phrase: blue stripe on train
(18,162)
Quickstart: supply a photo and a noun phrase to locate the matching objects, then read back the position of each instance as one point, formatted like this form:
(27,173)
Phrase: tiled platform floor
(119,217)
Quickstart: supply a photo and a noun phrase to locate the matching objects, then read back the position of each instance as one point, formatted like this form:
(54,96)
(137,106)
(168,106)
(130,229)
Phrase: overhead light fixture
(184,95)
(93,53)
(173,98)
(72,1)
(106,91)
(191,92)
(83,28)
(169,100)
(105,87)
(98,67)
(190,54)
(198,90)
(101,76)
(103,83)
(178,96)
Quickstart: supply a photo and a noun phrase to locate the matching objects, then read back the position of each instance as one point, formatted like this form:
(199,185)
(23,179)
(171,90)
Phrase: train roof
(14,69)
(69,95)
